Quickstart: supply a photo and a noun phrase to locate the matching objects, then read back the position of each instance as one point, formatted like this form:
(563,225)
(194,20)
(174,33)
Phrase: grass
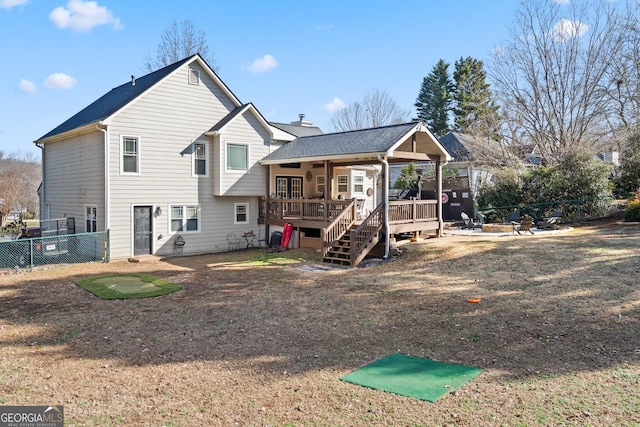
(256,339)
(127,286)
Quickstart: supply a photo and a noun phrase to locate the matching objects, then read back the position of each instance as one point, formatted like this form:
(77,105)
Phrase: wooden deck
(346,237)
(404,215)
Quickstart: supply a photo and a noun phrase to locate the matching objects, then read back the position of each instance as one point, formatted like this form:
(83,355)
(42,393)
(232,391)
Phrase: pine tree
(434,100)
(475,110)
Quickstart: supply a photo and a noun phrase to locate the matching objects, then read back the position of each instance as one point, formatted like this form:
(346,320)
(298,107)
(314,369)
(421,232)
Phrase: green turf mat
(411,376)
(127,285)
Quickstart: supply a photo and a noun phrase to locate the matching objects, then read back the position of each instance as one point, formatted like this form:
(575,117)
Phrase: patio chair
(468,222)
(233,241)
(550,223)
(524,225)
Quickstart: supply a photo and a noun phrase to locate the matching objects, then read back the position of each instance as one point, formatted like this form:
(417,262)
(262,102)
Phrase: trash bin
(276,239)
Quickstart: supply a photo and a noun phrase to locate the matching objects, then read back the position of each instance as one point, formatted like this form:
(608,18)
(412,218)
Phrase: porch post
(439,197)
(328,187)
(385,198)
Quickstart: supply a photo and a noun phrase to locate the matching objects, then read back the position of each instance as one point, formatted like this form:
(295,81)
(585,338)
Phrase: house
(474,157)
(175,155)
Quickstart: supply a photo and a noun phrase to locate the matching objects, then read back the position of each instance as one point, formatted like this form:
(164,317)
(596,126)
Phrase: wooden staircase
(340,252)
(350,246)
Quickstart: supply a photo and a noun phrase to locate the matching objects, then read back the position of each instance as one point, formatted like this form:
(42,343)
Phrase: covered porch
(348,228)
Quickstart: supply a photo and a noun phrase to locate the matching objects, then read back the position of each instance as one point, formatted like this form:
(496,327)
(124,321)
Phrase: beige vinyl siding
(243,130)
(167,119)
(74,177)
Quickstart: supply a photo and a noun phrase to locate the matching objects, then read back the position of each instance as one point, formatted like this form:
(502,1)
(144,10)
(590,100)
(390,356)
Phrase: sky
(286,57)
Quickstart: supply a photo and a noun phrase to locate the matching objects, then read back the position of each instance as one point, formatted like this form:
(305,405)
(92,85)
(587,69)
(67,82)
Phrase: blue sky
(287,57)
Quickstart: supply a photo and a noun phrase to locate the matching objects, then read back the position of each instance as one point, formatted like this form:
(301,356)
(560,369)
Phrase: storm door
(142,230)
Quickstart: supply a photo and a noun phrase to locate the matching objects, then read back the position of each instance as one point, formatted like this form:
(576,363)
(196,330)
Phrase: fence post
(107,246)
(579,209)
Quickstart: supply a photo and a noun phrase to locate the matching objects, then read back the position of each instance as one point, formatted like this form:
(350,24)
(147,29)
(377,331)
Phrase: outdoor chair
(234,241)
(262,241)
(514,217)
(550,223)
(523,226)
(468,222)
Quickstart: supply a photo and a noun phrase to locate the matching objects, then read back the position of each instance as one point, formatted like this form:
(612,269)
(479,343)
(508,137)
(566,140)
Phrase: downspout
(42,198)
(385,188)
(106,175)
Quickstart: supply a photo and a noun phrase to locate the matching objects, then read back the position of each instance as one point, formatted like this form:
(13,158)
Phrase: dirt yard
(258,339)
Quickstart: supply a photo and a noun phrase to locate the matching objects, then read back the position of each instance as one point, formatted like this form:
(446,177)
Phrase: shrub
(633,211)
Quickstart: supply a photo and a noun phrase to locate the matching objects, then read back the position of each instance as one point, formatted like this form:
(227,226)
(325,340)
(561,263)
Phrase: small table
(249,237)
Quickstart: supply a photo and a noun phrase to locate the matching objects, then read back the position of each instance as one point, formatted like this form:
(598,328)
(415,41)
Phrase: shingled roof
(115,99)
(298,130)
(370,142)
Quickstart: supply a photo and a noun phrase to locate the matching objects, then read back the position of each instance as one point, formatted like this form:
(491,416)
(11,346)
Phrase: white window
(241,211)
(200,159)
(320,184)
(91,218)
(184,218)
(343,184)
(194,77)
(130,150)
(358,184)
(237,157)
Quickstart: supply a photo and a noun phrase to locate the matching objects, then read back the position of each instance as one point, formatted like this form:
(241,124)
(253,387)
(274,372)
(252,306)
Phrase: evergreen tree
(434,100)
(475,110)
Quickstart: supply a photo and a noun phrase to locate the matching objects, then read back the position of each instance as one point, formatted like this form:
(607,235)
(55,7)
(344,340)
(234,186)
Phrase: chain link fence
(31,252)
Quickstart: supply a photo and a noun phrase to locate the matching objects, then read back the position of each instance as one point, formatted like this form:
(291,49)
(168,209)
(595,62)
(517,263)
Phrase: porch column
(328,188)
(439,197)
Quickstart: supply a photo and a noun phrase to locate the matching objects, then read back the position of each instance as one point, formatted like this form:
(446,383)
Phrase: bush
(633,211)
(579,178)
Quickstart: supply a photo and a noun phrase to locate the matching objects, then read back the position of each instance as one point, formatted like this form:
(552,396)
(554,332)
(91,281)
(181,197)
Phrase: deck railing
(302,209)
(412,211)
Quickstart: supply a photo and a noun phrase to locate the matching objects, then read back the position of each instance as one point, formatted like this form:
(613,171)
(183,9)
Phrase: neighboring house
(474,157)
(175,153)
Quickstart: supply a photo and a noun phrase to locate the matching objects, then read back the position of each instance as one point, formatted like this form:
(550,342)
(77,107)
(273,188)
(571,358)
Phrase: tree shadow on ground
(550,305)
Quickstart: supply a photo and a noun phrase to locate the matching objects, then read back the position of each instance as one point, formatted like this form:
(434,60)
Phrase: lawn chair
(550,223)
(514,217)
(468,222)
(233,241)
(523,226)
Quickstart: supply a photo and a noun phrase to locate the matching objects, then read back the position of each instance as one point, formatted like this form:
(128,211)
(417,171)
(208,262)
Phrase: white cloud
(566,29)
(8,4)
(561,1)
(60,81)
(27,86)
(335,105)
(263,64)
(83,16)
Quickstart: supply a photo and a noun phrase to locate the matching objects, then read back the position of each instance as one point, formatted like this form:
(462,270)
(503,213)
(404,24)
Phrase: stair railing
(366,235)
(339,226)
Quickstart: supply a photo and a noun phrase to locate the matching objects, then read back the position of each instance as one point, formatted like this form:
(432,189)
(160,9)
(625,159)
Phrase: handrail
(339,226)
(365,233)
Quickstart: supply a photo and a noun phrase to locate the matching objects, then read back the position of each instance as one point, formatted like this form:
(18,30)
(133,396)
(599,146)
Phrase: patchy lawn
(253,339)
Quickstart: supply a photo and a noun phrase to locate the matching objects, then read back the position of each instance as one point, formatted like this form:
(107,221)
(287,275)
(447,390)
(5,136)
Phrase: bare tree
(177,42)
(560,78)
(376,109)
(20,176)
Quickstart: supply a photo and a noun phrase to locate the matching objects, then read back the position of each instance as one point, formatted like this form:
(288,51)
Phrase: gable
(114,101)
